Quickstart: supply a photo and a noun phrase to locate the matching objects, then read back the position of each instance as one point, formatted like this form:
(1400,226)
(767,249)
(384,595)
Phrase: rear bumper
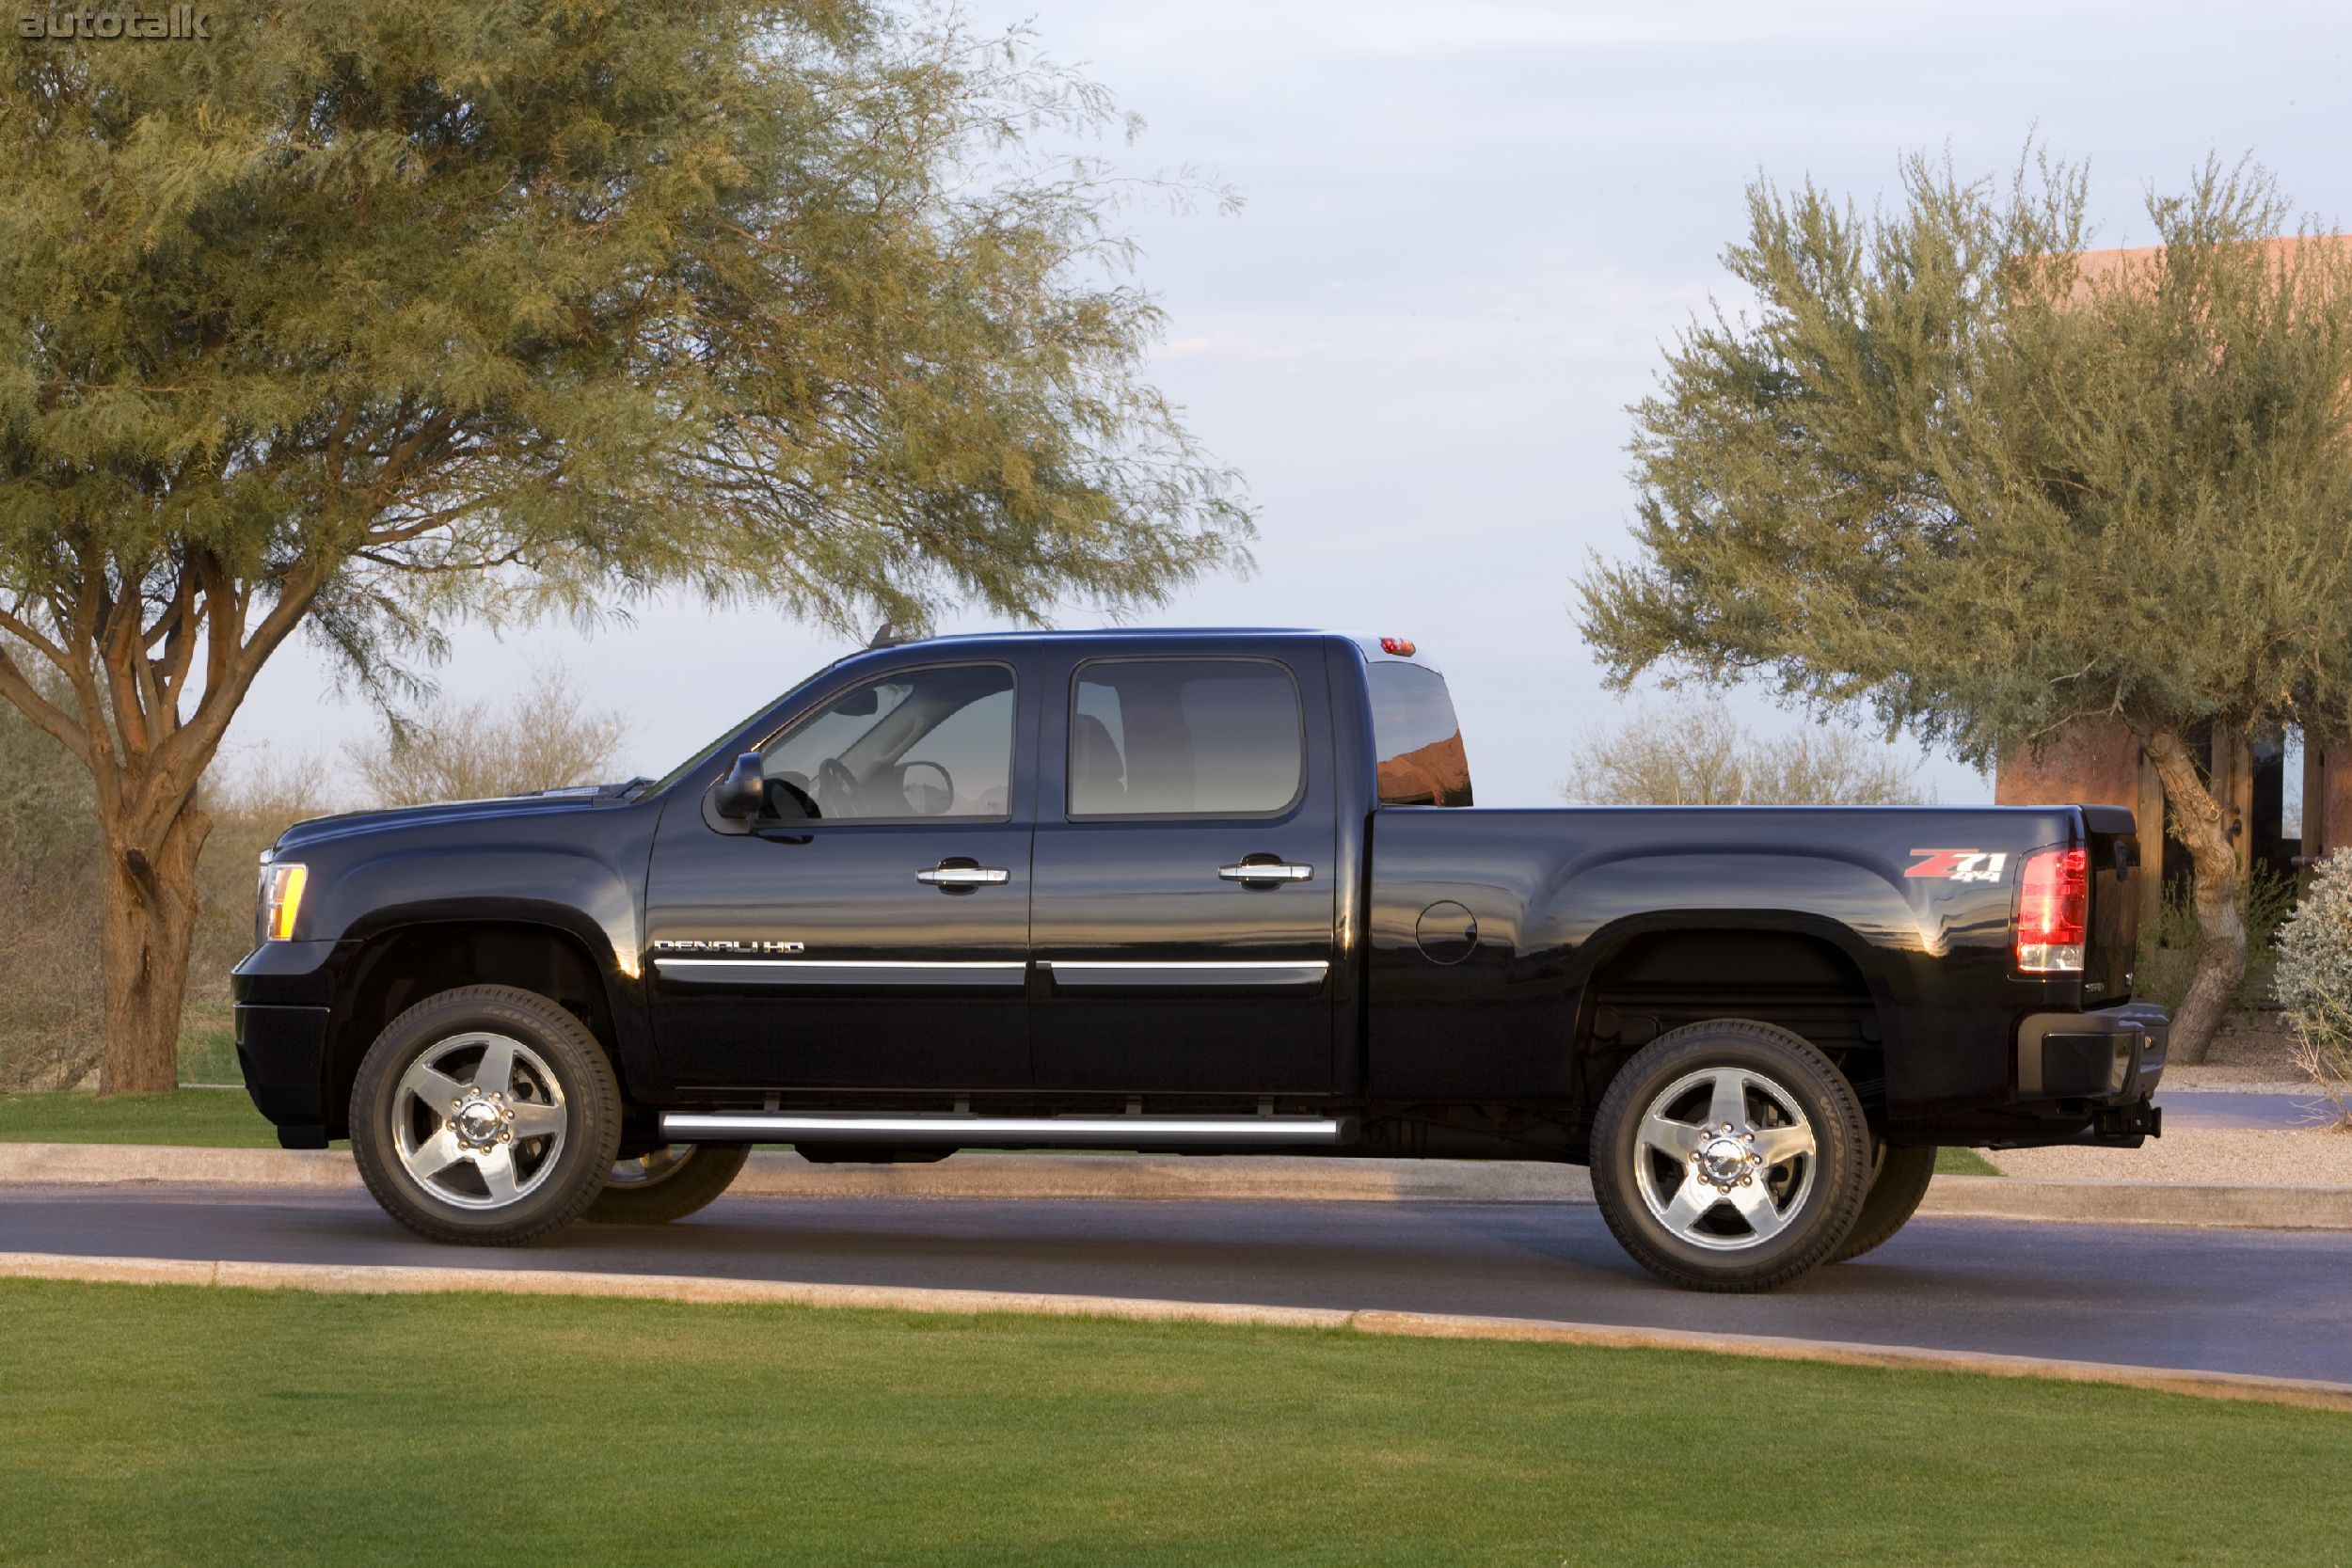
(2097,1070)
(2115,1056)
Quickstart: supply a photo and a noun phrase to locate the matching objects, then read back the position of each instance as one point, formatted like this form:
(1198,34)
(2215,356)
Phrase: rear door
(1182,901)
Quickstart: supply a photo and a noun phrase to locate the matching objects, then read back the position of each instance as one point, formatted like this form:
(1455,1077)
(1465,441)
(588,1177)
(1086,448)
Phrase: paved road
(2227,1108)
(2235,1301)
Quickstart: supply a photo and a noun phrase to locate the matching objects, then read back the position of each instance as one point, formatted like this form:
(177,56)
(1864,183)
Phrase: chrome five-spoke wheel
(479,1120)
(1726,1157)
(1729,1154)
(486,1115)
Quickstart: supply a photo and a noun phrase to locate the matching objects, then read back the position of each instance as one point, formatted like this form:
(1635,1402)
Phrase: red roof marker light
(1401,646)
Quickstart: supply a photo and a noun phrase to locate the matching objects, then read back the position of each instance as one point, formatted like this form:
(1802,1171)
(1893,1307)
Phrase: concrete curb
(2193,1203)
(1243,1179)
(403,1280)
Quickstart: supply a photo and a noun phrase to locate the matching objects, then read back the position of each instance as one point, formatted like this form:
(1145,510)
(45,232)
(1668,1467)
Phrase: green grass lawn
(178,1425)
(213,1119)
(1962,1162)
(208,1046)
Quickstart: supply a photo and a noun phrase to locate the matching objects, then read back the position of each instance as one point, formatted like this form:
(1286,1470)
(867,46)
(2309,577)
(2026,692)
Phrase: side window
(916,746)
(1185,737)
(1415,737)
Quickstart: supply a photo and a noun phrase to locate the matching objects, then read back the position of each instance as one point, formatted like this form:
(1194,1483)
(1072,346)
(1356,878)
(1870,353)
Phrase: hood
(354,824)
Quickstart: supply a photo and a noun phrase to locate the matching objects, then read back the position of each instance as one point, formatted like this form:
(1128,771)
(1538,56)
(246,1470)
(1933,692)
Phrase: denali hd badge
(724,945)
(1961,865)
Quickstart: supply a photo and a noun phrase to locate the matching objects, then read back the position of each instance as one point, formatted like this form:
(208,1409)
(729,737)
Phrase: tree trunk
(2204,824)
(146,928)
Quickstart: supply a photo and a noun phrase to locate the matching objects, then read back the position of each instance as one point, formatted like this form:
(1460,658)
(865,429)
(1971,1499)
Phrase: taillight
(2053,911)
(1401,646)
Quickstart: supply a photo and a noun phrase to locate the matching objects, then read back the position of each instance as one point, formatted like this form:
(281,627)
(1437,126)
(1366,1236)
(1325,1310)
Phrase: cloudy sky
(1468,228)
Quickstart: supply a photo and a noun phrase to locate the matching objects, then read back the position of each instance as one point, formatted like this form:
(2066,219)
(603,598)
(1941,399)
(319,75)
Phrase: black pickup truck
(1208,891)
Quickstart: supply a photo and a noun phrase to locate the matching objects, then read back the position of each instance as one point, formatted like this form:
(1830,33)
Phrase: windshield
(709,754)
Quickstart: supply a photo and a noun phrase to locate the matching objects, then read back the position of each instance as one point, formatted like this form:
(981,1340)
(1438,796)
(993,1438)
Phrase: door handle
(963,876)
(1265,871)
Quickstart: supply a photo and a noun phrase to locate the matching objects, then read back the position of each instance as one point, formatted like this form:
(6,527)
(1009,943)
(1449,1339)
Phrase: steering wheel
(946,784)
(794,789)
(839,786)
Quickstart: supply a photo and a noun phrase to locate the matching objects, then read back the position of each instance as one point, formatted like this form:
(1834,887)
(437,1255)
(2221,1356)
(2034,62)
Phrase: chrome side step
(1112,1131)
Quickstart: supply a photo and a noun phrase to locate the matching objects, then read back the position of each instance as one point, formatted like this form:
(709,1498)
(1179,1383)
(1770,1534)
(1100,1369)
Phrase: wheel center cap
(1723,1159)
(479,1121)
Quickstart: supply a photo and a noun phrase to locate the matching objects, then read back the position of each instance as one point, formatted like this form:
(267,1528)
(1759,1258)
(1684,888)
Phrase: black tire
(1704,1240)
(579,1100)
(668,1183)
(1897,1188)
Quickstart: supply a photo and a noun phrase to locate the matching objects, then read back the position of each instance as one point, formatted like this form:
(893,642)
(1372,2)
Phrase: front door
(871,929)
(1182,909)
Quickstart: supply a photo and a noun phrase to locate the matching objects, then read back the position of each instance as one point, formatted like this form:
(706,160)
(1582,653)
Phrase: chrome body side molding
(1095,974)
(1009,975)
(1110,1132)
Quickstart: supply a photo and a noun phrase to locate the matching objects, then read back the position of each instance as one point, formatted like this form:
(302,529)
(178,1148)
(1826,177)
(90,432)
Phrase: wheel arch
(1645,974)
(400,964)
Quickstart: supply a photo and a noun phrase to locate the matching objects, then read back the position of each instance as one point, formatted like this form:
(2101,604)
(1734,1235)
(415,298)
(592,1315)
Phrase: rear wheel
(667,1183)
(488,1115)
(1730,1155)
(1897,1188)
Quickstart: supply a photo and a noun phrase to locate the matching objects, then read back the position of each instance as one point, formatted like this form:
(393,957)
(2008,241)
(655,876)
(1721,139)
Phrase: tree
(358,317)
(1700,755)
(1943,472)
(546,737)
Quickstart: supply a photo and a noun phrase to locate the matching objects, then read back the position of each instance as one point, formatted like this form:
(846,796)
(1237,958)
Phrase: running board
(806,1127)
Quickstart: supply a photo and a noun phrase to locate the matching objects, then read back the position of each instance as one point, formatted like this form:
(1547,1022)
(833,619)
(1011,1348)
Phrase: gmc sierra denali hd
(1209,892)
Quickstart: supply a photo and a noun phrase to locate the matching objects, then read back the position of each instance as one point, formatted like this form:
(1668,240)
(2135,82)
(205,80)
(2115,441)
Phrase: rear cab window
(1415,737)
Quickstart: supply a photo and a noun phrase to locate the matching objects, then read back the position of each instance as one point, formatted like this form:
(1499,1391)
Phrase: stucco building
(2287,803)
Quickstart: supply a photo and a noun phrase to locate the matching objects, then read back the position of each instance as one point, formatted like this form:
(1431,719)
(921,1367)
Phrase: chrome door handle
(963,876)
(1265,872)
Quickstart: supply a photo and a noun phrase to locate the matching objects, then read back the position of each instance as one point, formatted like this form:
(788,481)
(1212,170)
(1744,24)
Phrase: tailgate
(2114,933)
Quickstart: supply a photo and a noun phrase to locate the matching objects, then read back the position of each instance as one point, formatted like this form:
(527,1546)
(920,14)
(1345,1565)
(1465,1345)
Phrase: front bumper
(283,992)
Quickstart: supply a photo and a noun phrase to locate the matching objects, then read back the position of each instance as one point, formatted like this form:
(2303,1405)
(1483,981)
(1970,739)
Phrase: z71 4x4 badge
(1961,865)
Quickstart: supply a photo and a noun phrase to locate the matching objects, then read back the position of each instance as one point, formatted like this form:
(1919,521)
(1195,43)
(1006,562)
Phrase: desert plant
(546,737)
(1698,754)
(2169,945)
(2313,980)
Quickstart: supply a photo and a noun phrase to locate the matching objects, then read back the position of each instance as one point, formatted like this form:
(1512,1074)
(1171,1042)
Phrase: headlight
(281,899)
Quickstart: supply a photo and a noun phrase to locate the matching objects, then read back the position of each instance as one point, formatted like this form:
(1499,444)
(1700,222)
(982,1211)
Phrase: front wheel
(488,1115)
(1730,1155)
(667,1183)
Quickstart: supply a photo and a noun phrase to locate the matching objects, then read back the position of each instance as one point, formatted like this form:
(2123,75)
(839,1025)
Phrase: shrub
(1698,754)
(2313,980)
(2169,946)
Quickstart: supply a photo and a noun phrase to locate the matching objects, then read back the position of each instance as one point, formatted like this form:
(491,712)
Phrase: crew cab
(1216,891)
